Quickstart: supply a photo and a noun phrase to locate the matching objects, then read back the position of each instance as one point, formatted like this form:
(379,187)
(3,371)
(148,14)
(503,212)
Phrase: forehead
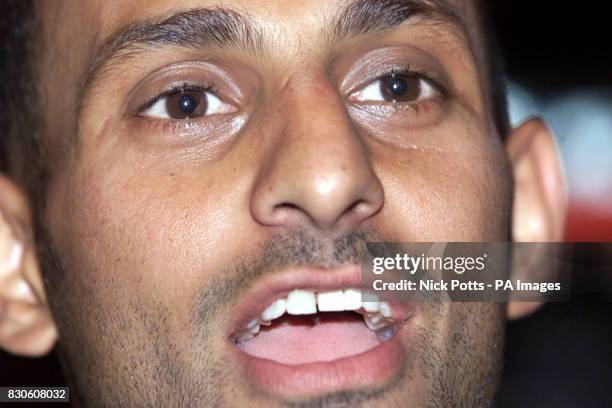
(96,20)
(91,27)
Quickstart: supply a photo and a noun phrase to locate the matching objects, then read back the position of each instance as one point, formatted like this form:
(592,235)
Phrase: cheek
(434,195)
(151,235)
(137,244)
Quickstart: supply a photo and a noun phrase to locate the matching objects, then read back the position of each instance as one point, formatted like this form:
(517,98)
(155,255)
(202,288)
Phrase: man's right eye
(186,104)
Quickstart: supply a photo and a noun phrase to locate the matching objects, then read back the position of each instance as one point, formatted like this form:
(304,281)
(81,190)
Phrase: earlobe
(540,196)
(26,326)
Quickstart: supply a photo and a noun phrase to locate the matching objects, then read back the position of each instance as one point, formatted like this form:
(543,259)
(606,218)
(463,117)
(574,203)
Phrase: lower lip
(372,368)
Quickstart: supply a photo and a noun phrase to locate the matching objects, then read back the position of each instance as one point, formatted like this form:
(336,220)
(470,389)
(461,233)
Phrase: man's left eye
(396,88)
(186,104)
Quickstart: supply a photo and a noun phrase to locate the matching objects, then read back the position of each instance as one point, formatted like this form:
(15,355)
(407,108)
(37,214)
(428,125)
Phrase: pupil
(187,104)
(398,86)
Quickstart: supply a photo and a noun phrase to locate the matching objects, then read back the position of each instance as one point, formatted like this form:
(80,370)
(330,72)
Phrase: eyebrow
(223,28)
(364,17)
(196,28)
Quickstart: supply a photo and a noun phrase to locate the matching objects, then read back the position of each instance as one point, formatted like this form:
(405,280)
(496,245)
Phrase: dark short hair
(20,149)
(18,89)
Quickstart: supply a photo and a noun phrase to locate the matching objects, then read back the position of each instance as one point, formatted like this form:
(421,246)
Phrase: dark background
(561,356)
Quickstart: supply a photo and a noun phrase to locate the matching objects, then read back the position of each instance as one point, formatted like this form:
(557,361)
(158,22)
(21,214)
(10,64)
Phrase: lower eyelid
(386,109)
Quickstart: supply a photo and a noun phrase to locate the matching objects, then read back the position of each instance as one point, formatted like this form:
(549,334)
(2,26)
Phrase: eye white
(214,106)
(373,92)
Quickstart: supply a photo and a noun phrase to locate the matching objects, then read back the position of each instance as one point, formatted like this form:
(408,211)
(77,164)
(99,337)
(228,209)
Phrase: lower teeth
(242,337)
(374,321)
(385,333)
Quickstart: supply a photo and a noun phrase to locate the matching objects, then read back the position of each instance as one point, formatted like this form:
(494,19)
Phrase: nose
(318,172)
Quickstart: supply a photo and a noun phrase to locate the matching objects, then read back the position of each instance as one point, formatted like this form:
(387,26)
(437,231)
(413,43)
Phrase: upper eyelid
(177,88)
(211,76)
(381,61)
(444,90)
(210,87)
(421,75)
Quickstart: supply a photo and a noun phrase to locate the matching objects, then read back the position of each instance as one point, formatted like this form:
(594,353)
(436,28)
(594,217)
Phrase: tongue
(295,340)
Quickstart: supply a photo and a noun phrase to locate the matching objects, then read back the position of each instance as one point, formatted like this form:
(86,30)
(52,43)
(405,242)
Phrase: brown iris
(400,88)
(186,104)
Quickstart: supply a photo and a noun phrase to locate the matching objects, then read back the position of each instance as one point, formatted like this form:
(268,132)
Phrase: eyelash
(402,70)
(406,70)
(183,87)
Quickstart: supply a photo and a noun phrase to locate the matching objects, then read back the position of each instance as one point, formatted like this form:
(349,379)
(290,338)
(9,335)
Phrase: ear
(540,194)
(26,326)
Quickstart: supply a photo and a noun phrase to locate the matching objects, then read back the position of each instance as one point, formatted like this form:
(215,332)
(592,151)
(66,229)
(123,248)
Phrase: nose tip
(340,197)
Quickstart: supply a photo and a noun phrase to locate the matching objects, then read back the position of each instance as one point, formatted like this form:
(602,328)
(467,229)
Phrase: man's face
(204,165)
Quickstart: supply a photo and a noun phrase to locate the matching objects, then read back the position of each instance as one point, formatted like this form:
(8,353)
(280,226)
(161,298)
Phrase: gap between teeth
(376,314)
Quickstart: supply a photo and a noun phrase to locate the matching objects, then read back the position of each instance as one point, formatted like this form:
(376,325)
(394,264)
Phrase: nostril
(355,206)
(363,208)
(286,205)
(287,213)
(328,201)
(356,213)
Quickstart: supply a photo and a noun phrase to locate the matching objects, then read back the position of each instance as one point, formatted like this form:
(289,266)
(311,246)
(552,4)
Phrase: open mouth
(307,327)
(307,331)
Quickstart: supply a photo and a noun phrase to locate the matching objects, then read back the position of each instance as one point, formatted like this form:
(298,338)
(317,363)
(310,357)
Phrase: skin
(152,231)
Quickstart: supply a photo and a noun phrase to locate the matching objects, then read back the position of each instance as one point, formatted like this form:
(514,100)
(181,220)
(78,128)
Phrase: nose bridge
(319,136)
(319,171)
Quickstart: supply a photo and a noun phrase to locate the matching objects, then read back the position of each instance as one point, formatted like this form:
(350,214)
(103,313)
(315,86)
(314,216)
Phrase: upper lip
(279,284)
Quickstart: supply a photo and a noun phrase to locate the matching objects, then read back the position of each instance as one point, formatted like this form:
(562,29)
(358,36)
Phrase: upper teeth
(301,302)
(275,310)
(331,301)
(305,302)
(376,314)
(352,299)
